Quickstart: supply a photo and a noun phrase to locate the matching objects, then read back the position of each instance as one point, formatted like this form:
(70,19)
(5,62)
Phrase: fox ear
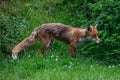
(89,28)
(96,25)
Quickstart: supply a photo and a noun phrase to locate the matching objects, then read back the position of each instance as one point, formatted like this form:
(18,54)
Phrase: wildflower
(101,76)
(91,66)
(56,59)
(52,56)
(65,65)
(113,66)
(109,66)
(29,56)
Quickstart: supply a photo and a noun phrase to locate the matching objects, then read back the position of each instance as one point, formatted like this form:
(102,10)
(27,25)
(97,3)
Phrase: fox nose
(98,41)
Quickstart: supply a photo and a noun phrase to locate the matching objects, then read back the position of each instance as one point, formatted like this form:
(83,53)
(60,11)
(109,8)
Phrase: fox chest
(80,41)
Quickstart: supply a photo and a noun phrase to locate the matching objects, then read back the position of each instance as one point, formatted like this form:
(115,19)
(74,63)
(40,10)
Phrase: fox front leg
(72,50)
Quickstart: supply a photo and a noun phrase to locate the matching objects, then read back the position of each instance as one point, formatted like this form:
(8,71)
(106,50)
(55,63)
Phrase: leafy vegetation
(18,18)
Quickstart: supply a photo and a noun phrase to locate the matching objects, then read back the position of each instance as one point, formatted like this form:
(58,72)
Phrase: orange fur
(67,34)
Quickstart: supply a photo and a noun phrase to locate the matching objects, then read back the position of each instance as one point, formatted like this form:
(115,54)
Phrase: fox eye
(94,35)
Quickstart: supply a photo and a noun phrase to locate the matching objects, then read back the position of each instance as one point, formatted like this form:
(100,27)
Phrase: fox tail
(25,43)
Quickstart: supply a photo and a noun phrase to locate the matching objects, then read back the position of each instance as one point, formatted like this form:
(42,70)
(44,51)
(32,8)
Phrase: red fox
(64,33)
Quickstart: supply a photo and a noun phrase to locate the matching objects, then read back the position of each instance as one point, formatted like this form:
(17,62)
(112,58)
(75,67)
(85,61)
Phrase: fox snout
(97,41)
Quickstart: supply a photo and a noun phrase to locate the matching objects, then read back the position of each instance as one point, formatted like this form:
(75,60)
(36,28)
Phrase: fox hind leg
(45,45)
(46,42)
(49,44)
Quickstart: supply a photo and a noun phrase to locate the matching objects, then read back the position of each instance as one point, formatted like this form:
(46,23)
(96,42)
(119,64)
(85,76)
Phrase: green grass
(56,66)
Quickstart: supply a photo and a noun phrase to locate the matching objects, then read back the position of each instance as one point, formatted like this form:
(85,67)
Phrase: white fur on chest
(82,40)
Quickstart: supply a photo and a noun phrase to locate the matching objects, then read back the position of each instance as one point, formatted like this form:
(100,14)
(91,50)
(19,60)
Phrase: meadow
(57,67)
(18,18)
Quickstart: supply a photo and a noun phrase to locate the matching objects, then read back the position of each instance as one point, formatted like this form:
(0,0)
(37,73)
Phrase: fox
(47,33)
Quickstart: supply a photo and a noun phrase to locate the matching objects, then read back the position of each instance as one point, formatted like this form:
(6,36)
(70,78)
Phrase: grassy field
(18,18)
(56,65)
(57,68)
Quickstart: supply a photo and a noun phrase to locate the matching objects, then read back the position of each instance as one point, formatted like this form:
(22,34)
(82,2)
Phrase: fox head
(93,34)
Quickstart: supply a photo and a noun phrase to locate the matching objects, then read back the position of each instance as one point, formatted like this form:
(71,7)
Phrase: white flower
(56,59)
(113,66)
(109,66)
(101,76)
(91,66)
(65,65)
(29,56)
(52,56)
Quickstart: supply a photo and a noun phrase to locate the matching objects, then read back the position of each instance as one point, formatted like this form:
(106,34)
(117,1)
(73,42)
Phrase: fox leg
(72,50)
(48,44)
(45,45)
(45,41)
